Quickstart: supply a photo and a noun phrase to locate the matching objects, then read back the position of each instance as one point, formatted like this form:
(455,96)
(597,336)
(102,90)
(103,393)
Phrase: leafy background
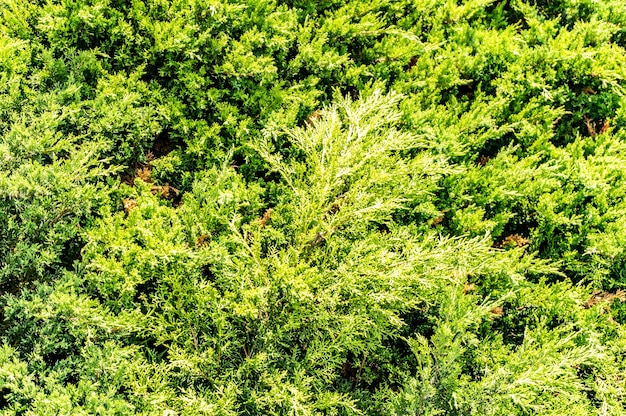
(297,207)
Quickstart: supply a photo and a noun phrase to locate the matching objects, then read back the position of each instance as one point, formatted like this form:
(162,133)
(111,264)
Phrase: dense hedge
(312,207)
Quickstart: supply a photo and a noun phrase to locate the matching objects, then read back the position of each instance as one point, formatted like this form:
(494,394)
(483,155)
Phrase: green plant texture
(268,207)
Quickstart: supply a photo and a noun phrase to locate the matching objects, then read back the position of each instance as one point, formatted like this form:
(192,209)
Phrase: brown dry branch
(203,240)
(602,296)
(313,117)
(589,91)
(591,126)
(468,287)
(266,217)
(129,205)
(165,191)
(514,240)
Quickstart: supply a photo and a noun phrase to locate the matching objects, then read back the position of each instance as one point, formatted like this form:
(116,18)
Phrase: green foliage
(268,207)
(46,191)
(554,364)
